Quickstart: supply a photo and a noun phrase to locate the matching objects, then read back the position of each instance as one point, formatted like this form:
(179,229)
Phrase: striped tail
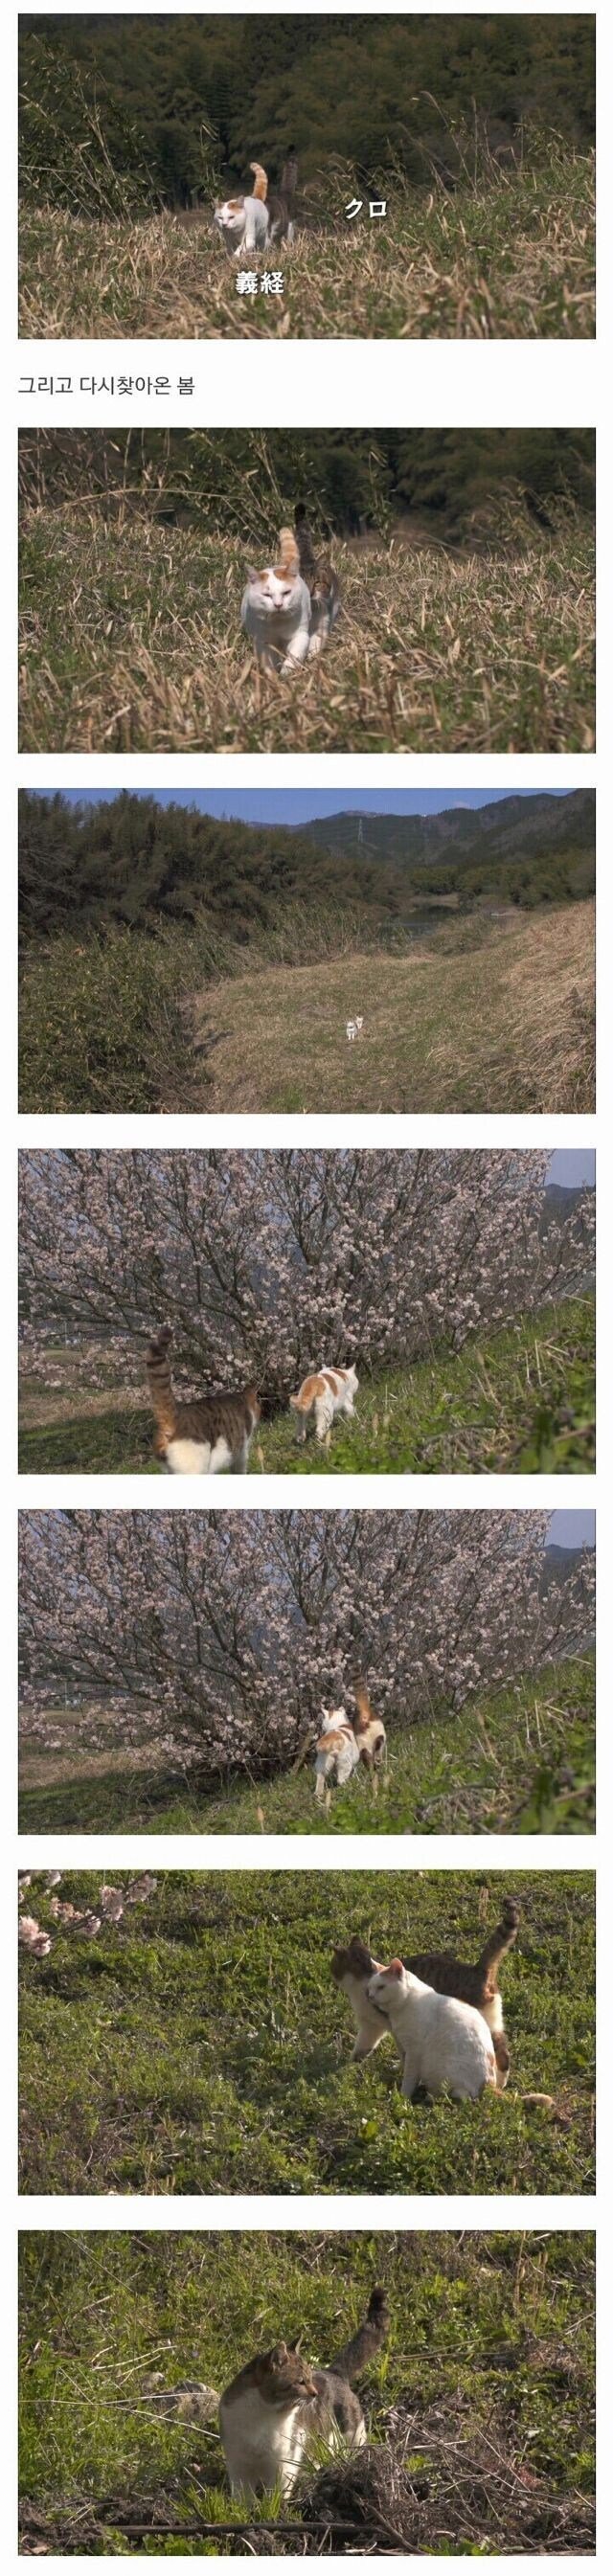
(355,2355)
(260,180)
(499,1941)
(289,173)
(289,559)
(160,1383)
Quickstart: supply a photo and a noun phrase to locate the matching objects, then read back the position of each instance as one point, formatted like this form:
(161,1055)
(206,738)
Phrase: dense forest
(248,481)
(170,106)
(134,862)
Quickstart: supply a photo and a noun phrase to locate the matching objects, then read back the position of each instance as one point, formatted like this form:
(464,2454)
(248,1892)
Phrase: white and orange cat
(337,1753)
(289,610)
(324,1394)
(249,223)
(370,1734)
(276,610)
(244,221)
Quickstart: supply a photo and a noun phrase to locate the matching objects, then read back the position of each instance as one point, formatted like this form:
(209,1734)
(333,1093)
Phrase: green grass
(202,2046)
(491,2337)
(510,258)
(477,1016)
(481,1013)
(131,640)
(520,1401)
(518,1760)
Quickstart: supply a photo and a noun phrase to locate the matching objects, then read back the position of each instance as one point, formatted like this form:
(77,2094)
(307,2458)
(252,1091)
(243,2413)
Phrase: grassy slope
(488,1018)
(500,2328)
(202,2045)
(131,641)
(519,1760)
(484,1012)
(519,1402)
(508,260)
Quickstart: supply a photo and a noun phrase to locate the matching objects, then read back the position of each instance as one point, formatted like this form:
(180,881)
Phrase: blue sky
(301,804)
(572,1529)
(571,1164)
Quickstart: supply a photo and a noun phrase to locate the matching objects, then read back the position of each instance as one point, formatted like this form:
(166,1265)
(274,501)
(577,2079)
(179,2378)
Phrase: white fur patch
(197,1458)
(263,2445)
(275,613)
(244,225)
(446,2044)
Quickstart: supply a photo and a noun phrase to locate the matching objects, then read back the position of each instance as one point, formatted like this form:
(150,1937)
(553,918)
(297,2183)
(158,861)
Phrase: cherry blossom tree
(270,1263)
(217,1634)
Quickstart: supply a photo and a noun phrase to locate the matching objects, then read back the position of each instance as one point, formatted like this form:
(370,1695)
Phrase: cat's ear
(396,1968)
(296,2344)
(252,575)
(279,2355)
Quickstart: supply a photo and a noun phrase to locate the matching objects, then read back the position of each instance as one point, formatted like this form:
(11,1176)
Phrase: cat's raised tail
(362,2346)
(289,558)
(163,1400)
(289,173)
(260,180)
(499,1941)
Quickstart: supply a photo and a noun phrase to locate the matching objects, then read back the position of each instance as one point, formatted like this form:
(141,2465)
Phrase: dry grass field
(481,1017)
(511,257)
(485,1009)
(131,642)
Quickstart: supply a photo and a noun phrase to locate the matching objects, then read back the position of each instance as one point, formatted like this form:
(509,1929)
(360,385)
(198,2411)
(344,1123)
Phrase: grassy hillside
(474,1019)
(201,2044)
(520,1401)
(486,2384)
(519,1760)
(476,1015)
(511,258)
(131,641)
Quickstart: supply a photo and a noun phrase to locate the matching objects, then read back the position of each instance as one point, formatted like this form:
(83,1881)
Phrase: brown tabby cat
(318,573)
(281,201)
(352,1967)
(276,2406)
(209,1435)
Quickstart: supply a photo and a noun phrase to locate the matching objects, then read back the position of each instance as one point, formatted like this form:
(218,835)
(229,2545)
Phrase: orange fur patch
(316,1385)
(311,1387)
(289,559)
(334,1740)
(362,1702)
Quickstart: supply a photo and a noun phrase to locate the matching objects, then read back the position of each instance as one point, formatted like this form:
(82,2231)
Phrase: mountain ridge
(508,827)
